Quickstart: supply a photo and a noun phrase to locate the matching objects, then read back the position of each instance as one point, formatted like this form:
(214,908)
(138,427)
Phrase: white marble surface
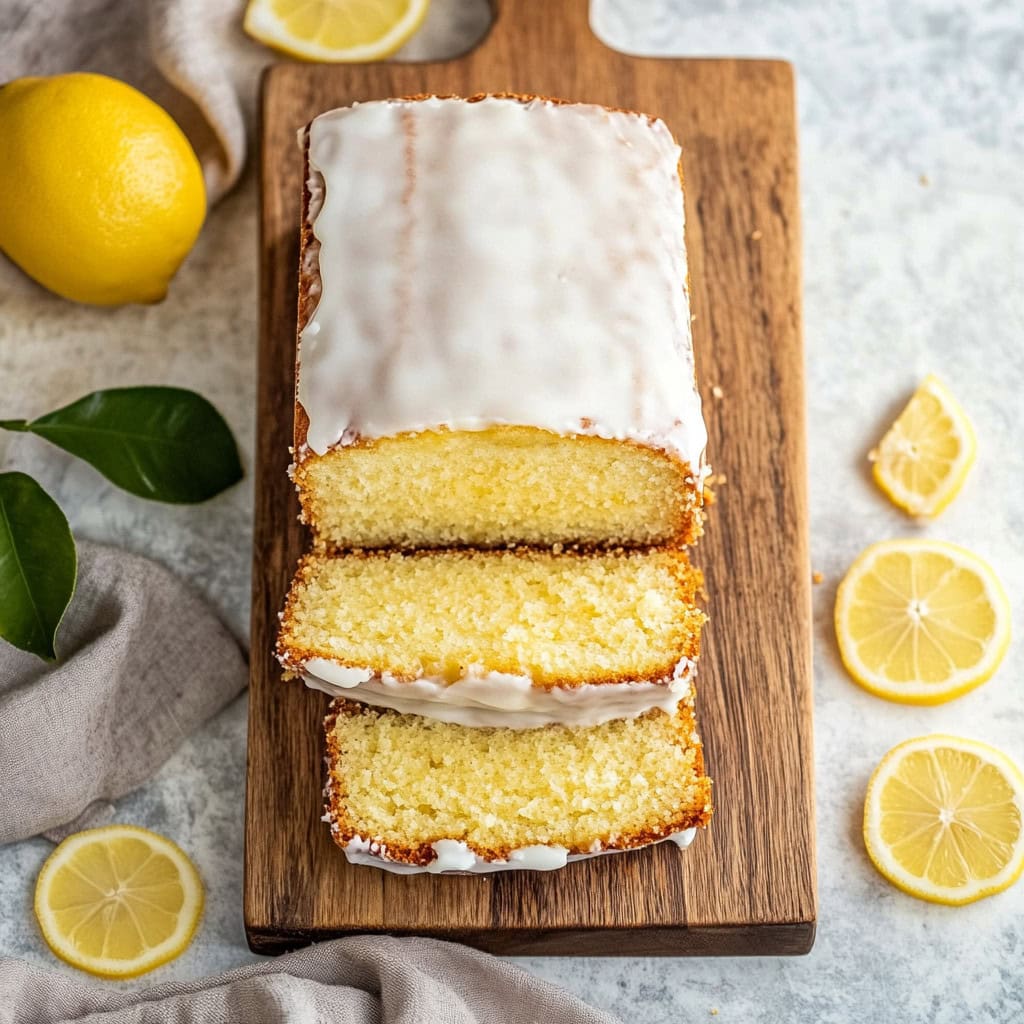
(904,274)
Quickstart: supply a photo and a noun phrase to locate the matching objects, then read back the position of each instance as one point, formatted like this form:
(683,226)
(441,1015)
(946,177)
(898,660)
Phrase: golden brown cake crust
(343,832)
(688,578)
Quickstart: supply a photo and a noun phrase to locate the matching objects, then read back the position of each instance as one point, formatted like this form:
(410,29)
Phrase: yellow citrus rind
(101,194)
(923,460)
(118,901)
(335,31)
(944,819)
(921,621)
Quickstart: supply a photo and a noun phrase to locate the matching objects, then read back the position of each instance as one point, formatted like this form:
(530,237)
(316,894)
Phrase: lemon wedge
(925,456)
(118,901)
(335,30)
(921,621)
(943,819)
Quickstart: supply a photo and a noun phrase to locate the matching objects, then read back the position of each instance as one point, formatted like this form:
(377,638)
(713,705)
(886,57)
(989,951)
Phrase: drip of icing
(340,677)
(452,856)
(456,857)
(498,262)
(539,858)
(683,839)
(483,698)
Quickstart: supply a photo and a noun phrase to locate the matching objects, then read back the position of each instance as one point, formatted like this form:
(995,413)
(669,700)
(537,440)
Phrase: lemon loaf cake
(494,341)
(515,638)
(409,793)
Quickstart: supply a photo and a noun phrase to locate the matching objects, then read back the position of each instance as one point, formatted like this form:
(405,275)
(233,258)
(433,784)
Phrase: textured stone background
(912,135)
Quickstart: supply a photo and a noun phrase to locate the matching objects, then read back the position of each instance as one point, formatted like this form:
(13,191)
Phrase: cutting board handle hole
(453,30)
(523,28)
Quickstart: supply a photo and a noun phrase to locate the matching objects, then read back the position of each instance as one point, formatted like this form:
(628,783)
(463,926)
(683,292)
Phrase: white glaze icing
(483,698)
(499,262)
(456,857)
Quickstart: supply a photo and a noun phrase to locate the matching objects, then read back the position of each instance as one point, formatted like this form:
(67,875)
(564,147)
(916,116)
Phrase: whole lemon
(101,195)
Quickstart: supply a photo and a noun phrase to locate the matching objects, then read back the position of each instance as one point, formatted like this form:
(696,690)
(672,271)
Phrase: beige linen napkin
(356,981)
(143,662)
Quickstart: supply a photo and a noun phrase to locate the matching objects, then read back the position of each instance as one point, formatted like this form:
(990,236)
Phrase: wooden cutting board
(748,885)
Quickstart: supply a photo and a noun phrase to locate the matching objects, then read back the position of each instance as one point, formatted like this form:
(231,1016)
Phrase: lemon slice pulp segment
(335,30)
(118,901)
(943,819)
(925,456)
(921,621)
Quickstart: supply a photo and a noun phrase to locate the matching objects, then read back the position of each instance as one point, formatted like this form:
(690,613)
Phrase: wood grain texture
(747,885)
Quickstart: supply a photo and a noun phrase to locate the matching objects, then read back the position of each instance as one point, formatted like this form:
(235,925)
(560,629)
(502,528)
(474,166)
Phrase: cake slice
(408,793)
(494,329)
(517,638)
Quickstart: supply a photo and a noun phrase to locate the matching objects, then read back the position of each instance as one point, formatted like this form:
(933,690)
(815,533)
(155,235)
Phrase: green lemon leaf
(166,444)
(37,565)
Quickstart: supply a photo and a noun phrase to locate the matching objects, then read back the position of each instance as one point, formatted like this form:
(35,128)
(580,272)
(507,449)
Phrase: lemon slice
(335,30)
(921,621)
(118,901)
(943,819)
(925,456)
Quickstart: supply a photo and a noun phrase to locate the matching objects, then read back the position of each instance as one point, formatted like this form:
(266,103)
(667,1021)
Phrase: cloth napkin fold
(143,662)
(356,980)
